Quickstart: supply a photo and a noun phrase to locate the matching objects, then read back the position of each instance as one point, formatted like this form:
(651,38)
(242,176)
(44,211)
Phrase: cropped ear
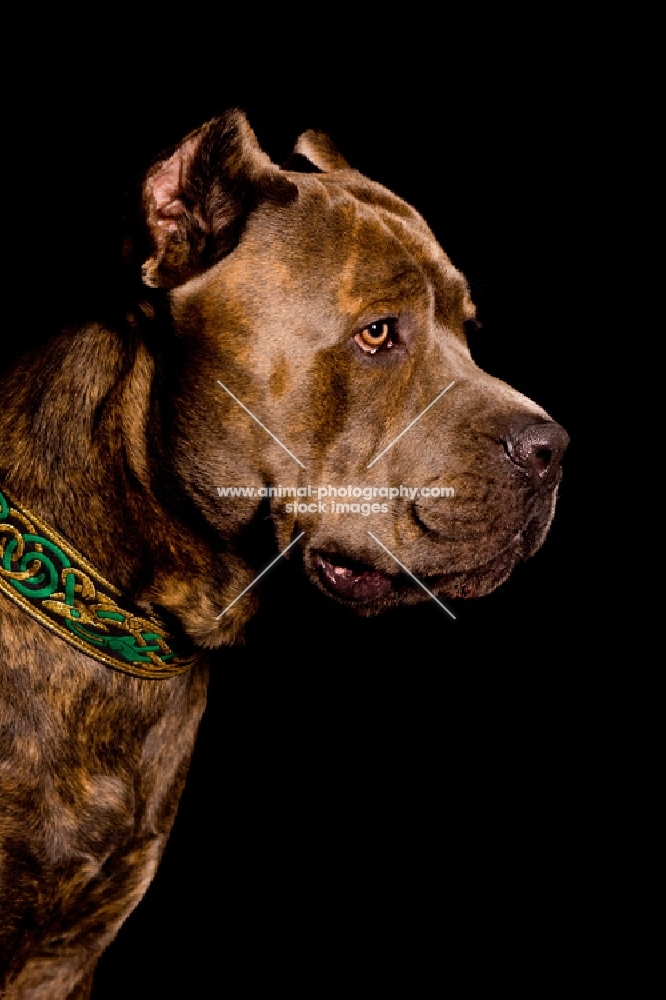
(315,151)
(196,200)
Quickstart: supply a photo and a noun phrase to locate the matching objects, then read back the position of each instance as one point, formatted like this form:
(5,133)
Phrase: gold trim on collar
(42,573)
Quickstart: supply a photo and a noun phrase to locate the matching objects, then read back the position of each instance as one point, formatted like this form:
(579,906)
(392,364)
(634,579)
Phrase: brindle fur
(117,436)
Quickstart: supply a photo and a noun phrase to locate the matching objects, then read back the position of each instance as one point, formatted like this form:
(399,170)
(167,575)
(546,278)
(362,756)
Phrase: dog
(281,325)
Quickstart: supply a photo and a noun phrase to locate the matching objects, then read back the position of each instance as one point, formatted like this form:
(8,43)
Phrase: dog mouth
(351,580)
(359,583)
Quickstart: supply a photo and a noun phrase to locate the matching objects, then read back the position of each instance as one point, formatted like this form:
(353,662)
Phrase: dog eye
(374,336)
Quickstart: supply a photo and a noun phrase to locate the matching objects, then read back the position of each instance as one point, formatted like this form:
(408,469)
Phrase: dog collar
(44,575)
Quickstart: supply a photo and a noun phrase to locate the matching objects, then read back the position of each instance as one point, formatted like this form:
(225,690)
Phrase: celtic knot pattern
(55,584)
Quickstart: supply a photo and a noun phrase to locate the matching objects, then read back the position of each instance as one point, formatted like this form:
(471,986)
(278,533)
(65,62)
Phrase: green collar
(55,584)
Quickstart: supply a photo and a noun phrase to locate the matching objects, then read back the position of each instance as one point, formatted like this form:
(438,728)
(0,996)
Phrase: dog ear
(314,151)
(196,200)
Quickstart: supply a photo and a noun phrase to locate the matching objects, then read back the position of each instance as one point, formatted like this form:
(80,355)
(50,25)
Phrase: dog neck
(81,443)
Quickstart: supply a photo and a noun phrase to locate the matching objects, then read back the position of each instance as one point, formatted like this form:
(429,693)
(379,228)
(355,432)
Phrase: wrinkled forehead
(346,239)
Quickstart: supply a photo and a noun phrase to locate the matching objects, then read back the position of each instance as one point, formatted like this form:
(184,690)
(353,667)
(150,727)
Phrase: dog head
(321,342)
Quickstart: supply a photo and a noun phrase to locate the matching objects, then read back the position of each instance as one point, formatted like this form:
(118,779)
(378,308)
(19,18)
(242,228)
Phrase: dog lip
(351,580)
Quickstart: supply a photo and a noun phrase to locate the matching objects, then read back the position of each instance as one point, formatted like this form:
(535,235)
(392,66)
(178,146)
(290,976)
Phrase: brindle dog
(325,305)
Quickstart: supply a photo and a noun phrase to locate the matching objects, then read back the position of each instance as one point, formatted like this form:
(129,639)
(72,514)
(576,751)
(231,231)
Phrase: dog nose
(538,449)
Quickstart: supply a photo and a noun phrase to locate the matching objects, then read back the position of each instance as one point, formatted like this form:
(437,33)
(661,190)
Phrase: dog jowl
(325,306)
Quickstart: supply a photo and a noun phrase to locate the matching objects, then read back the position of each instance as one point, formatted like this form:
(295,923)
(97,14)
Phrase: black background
(354,777)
